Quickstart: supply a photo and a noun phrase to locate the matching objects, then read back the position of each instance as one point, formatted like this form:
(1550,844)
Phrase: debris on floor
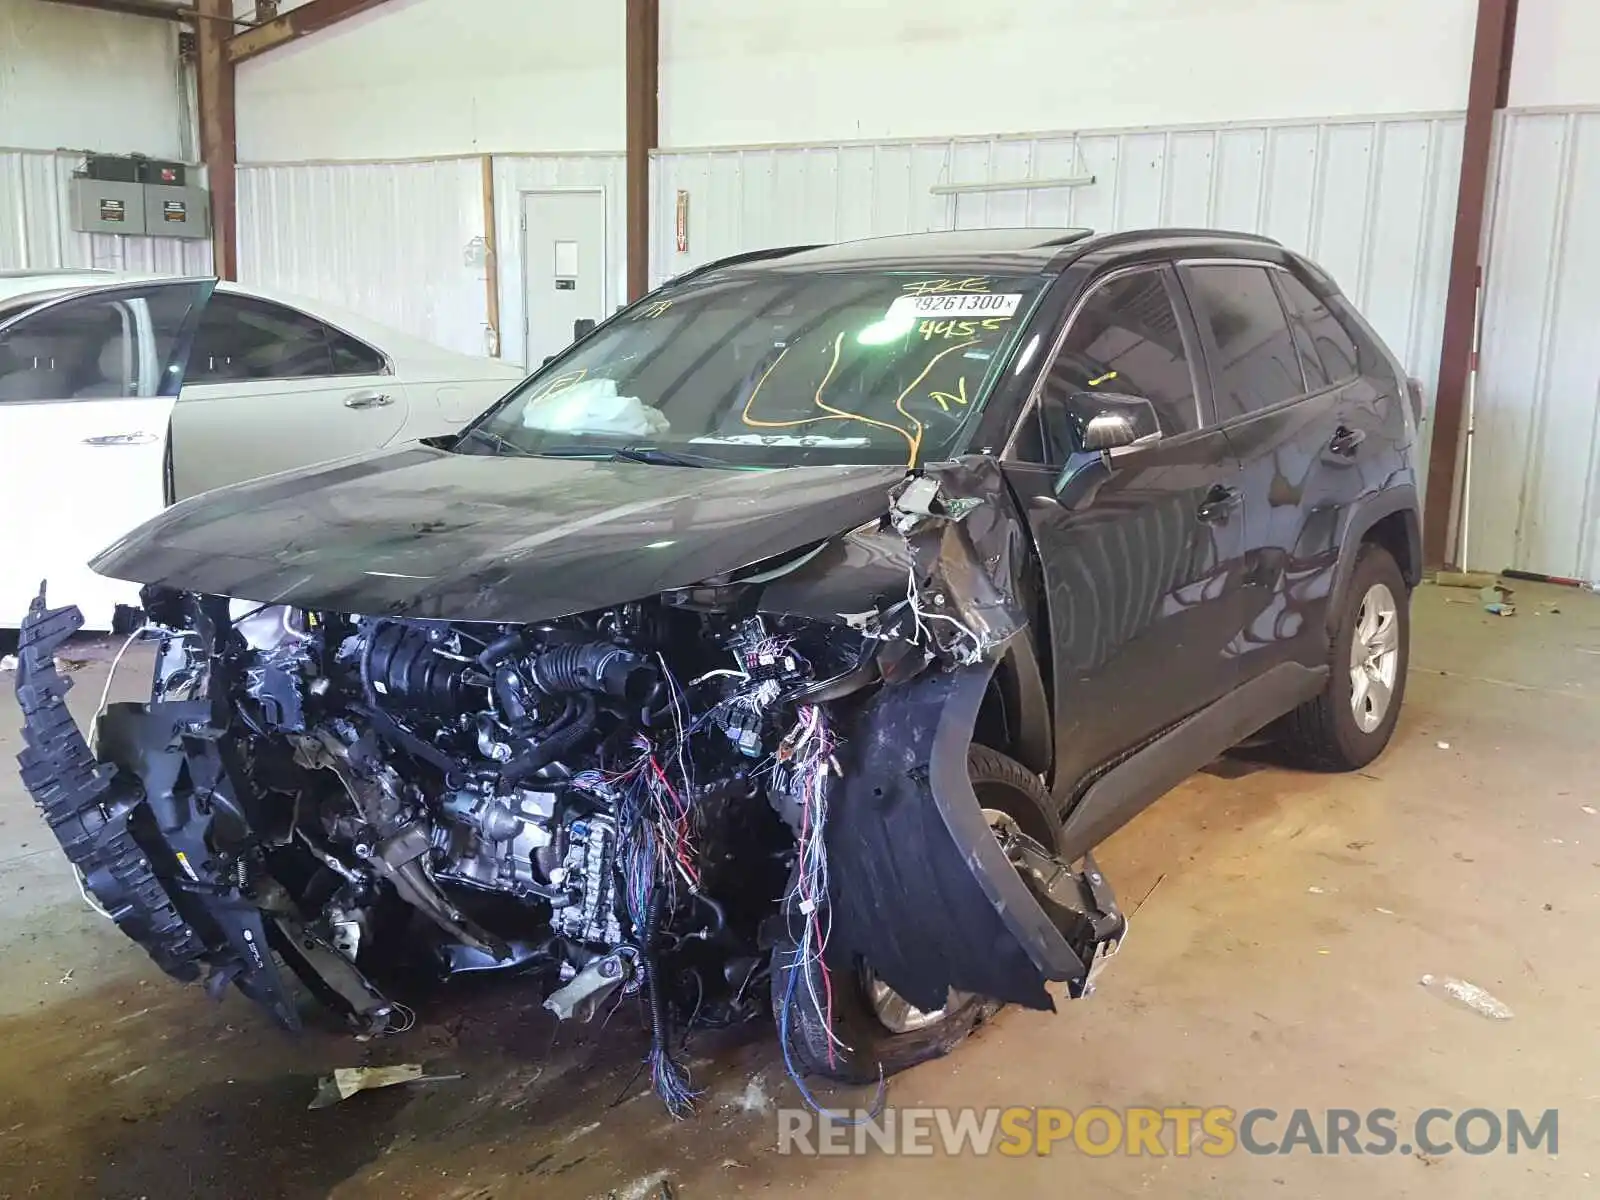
(8,662)
(347,1081)
(1496,599)
(1469,994)
(1465,579)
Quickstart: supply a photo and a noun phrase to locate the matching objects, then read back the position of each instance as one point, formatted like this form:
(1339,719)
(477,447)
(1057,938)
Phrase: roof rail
(1215,235)
(734,260)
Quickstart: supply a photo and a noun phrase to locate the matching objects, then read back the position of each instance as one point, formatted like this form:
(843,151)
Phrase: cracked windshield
(769,369)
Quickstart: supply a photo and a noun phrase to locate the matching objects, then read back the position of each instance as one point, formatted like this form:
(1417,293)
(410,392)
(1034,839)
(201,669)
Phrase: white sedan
(121,394)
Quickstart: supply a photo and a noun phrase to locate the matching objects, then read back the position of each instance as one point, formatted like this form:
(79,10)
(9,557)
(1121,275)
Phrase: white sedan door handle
(368,399)
(120,439)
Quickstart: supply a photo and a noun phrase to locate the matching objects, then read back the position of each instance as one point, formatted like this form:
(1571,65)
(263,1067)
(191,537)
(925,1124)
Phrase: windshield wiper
(652,455)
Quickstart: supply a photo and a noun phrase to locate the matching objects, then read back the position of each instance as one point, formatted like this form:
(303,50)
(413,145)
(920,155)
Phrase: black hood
(426,533)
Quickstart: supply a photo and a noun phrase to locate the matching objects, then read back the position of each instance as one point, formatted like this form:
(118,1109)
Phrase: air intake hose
(594,667)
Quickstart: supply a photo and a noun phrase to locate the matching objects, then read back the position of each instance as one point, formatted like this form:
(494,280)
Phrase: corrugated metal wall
(36,225)
(1535,502)
(1373,200)
(386,240)
(515,174)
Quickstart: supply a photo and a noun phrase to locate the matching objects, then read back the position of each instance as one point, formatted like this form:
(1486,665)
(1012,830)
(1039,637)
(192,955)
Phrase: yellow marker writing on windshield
(945,399)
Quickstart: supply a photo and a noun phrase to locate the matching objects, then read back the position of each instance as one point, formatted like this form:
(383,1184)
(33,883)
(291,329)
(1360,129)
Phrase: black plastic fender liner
(920,887)
(133,824)
(88,804)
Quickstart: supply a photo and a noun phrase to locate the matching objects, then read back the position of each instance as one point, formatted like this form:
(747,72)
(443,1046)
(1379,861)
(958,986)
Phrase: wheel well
(995,727)
(1396,535)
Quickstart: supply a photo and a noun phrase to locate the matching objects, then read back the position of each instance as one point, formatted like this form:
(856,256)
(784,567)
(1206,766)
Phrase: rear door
(87,385)
(1141,574)
(269,388)
(1289,397)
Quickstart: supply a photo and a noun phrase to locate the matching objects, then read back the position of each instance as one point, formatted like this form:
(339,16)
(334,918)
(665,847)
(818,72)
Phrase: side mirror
(582,327)
(1109,420)
(1100,422)
(1107,431)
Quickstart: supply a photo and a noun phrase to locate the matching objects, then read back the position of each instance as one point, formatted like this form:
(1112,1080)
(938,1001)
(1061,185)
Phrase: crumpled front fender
(921,888)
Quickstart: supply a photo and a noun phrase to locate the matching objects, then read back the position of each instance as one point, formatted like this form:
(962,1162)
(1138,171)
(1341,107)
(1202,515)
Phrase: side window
(1255,365)
(351,357)
(1125,339)
(1334,350)
(241,338)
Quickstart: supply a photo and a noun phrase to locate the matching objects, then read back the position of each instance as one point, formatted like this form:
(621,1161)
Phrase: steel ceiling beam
(138,8)
(312,17)
(218,142)
(1486,94)
(642,51)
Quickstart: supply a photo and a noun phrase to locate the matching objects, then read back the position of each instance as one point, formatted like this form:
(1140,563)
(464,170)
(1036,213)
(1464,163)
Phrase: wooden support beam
(309,18)
(642,52)
(1486,94)
(218,145)
(491,274)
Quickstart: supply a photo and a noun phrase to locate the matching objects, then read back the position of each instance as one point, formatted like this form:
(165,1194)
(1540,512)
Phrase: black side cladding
(87,805)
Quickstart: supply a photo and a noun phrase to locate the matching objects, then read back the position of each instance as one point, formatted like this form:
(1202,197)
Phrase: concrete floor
(1284,921)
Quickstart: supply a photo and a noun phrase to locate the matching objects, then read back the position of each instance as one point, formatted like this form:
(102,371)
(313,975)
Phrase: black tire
(871,1050)
(1323,733)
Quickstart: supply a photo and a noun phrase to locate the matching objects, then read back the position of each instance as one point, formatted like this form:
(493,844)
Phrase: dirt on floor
(1282,925)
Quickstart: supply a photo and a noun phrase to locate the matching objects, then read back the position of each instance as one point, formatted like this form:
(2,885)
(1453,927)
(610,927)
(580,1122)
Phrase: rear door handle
(1219,502)
(368,399)
(1345,441)
(120,439)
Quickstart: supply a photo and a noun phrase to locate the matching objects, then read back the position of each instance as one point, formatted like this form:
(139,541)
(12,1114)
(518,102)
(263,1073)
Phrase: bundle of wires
(657,856)
(962,644)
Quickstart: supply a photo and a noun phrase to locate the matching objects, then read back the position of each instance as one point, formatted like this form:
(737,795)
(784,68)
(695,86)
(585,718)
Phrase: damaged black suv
(784,645)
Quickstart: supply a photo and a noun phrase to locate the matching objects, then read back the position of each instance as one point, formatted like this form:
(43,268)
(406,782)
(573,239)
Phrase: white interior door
(563,266)
(86,394)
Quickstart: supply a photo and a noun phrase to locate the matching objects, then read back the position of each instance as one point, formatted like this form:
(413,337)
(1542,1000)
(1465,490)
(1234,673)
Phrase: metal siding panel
(1142,165)
(385,240)
(1238,189)
(1291,191)
(1339,208)
(1555,500)
(1187,181)
(1010,160)
(1522,287)
(1095,206)
(1397,218)
(969,163)
(894,205)
(857,183)
(1055,158)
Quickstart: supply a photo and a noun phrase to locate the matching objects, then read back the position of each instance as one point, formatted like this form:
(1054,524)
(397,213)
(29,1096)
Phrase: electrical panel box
(107,206)
(176,211)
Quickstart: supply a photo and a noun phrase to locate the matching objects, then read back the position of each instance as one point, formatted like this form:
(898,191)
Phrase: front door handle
(368,400)
(1345,441)
(120,439)
(1219,502)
